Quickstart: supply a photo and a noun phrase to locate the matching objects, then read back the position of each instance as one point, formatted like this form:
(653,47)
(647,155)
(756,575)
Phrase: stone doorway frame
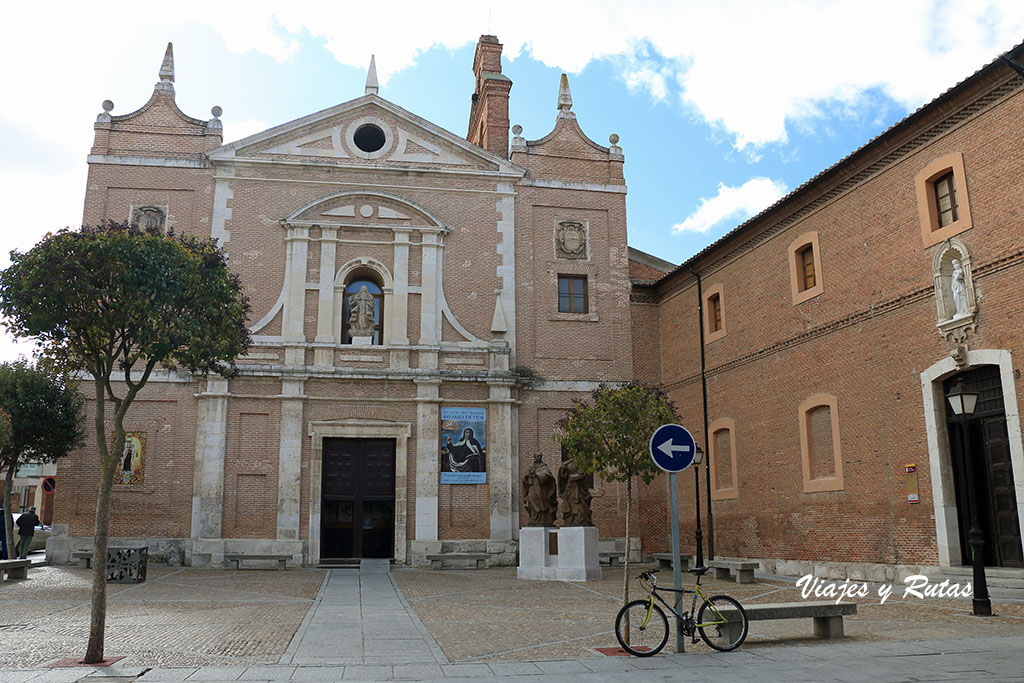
(940,460)
(359,429)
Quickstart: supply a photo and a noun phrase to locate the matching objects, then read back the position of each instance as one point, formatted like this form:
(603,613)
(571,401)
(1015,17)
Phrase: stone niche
(955,301)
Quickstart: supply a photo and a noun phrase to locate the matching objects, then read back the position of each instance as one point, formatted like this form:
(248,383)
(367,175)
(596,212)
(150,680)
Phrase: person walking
(26,529)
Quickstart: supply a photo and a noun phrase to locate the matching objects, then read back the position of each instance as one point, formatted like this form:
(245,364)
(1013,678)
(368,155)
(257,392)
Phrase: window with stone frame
(942,199)
(805,267)
(820,445)
(572,294)
(714,313)
(723,459)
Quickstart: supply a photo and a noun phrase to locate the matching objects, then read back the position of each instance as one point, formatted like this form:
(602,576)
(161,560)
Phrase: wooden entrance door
(989,460)
(357,506)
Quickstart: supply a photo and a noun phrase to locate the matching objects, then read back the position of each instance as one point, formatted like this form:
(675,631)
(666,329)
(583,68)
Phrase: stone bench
(827,616)
(743,571)
(665,561)
(458,560)
(611,558)
(14,569)
(237,558)
(83,557)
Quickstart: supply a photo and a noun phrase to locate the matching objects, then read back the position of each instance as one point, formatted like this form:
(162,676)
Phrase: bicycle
(721,621)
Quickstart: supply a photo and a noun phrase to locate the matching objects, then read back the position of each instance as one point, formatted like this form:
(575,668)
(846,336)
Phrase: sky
(721,107)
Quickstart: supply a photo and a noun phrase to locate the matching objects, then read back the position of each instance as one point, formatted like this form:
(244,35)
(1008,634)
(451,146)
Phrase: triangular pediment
(332,136)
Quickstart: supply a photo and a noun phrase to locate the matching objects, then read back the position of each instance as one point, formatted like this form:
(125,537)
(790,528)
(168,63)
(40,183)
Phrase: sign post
(673,449)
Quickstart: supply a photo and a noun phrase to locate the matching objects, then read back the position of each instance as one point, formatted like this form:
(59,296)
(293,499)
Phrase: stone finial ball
(517,129)
(107,105)
(216,111)
(613,138)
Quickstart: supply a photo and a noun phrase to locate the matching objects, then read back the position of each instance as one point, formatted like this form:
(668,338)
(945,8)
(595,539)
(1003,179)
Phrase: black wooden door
(1001,507)
(989,460)
(357,507)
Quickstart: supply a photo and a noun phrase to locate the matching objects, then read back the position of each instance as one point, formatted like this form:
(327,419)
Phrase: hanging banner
(463,445)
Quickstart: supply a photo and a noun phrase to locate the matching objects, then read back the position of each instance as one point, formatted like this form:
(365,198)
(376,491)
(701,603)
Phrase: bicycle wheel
(646,636)
(722,623)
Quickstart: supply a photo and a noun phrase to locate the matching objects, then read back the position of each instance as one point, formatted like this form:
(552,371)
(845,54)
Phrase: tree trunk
(98,615)
(625,575)
(8,520)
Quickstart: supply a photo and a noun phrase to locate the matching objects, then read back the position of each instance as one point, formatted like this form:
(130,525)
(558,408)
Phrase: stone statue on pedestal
(539,494)
(572,489)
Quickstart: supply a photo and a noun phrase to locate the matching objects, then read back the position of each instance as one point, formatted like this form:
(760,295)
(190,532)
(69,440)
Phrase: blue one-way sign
(672,448)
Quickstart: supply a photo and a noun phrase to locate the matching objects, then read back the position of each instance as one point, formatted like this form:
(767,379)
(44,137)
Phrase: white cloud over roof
(732,204)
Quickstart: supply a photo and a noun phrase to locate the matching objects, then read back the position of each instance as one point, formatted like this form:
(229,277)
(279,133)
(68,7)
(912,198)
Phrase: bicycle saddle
(699,571)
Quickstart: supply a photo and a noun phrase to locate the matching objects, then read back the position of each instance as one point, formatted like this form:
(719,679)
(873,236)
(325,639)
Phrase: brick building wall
(871,340)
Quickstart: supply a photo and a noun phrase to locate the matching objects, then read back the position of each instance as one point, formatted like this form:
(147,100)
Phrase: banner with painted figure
(463,445)
(131,470)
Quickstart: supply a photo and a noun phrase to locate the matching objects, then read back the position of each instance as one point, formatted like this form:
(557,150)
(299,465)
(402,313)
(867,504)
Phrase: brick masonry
(462,234)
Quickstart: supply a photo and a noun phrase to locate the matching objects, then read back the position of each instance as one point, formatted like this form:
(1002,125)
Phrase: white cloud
(749,68)
(648,79)
(734,204)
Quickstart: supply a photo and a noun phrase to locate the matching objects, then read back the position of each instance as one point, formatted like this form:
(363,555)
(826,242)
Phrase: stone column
(499,460)
(399,317)
(289,468)
(428,435)
(325,304)
(294,315)
(429,334)
(208,479)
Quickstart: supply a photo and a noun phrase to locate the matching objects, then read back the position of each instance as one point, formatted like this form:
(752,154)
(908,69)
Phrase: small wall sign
(913,494)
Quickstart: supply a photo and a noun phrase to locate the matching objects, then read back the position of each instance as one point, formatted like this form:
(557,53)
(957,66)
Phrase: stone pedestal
(362,340)
(535,558)
(566,554)
(578,559)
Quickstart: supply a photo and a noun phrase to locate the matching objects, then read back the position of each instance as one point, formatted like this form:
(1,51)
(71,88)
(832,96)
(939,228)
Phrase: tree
(45,412)
(117,302)
(610,436)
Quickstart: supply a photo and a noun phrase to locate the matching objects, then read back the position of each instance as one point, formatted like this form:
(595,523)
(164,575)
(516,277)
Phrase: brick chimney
(488,115)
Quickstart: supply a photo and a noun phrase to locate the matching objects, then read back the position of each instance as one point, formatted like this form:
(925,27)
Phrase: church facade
(427,306)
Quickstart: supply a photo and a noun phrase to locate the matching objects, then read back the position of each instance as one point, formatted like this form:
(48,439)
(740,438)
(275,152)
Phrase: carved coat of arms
(571,240)
(149,217)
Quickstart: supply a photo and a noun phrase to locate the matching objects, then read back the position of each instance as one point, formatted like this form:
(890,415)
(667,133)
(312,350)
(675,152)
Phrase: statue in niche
(958,288)
(149,218)
(362,318)
(539,495)
(572,489)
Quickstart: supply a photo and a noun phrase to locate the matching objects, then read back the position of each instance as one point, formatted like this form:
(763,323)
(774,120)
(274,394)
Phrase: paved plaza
(375,624)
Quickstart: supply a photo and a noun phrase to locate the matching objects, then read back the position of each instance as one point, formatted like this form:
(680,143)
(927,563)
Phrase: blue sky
(721,107)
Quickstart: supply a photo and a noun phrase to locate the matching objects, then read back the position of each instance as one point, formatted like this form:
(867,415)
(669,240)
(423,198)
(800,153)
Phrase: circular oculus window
(369,138)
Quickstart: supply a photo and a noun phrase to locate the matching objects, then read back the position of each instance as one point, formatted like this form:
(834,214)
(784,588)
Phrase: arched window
(355,294)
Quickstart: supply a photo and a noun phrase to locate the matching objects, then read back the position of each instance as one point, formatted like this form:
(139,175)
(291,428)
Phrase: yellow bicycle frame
(650,610)
(704,597)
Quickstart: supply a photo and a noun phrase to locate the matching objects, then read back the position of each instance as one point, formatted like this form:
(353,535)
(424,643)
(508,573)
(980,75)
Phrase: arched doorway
(989,459)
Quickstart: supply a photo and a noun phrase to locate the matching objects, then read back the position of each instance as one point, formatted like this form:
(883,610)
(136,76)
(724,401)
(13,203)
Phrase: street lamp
(963,403)
(698,457)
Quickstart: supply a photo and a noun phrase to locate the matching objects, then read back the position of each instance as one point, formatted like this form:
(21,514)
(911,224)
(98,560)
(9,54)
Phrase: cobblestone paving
(183,617)
(177,617)
(492,616)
